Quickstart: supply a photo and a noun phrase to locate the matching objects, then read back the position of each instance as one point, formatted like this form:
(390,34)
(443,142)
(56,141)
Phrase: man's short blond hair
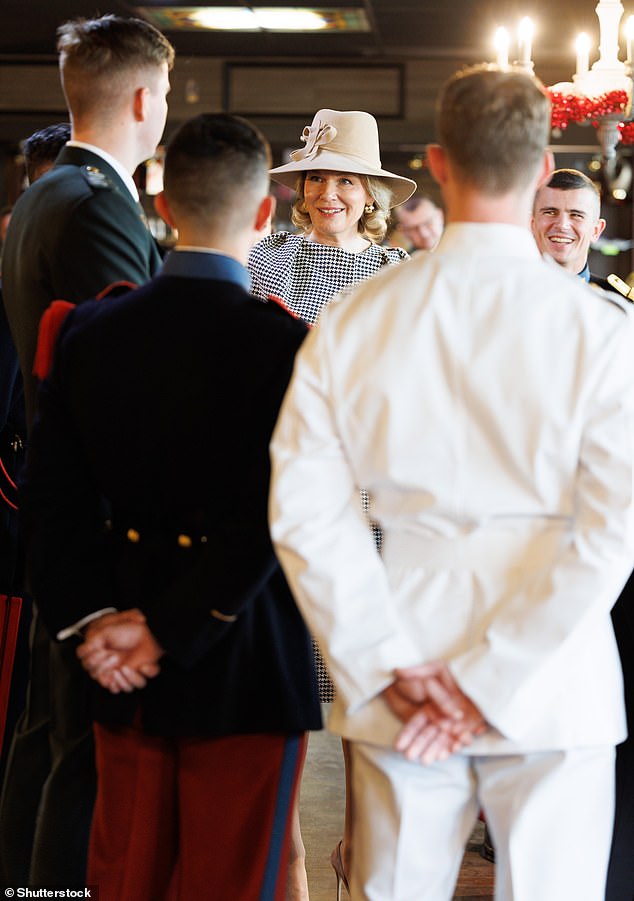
(494,126)
(97,57)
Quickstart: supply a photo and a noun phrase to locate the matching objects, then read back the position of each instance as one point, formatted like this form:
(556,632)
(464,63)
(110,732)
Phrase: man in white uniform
(484,397)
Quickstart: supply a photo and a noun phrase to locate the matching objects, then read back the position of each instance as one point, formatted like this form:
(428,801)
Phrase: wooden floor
(477,874)
(321,810)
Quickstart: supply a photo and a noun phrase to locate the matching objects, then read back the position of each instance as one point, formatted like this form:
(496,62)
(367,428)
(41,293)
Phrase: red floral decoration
(568,108)
(626,130)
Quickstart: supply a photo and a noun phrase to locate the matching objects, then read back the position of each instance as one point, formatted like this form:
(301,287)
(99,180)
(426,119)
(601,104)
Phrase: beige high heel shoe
(337,864)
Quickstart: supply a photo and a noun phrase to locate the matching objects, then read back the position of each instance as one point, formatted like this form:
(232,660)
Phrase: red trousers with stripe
(181,818)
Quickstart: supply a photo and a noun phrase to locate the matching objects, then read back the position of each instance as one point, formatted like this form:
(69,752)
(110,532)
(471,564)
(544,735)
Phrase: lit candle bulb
(582,47)
(501,42)
(629,39)
(525,40)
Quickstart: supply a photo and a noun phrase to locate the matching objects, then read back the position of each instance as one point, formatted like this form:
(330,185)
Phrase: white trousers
(550,816)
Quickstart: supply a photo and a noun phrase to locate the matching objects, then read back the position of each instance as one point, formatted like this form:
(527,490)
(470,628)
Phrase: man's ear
(139,103)
(264,214)
(598,229)
(162,208)
(437,162)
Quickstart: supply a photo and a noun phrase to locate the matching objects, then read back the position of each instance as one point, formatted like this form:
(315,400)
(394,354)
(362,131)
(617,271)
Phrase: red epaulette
(50,326)
(281,303)
(52,322)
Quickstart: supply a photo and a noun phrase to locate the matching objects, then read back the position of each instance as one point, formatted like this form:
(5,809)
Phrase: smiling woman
(343,203)
(335,203)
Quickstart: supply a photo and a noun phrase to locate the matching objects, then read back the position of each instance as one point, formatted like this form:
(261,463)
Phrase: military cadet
(567,220)
(197,769)
(78,229)
(491,419)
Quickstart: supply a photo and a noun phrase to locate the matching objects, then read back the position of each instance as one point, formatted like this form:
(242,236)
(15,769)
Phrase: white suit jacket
(484,397)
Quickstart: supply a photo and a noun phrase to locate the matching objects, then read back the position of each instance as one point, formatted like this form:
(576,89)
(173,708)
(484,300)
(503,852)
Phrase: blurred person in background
(40,151)
(420,221)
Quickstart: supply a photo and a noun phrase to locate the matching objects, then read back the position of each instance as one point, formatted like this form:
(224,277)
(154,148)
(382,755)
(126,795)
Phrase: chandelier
(600,94)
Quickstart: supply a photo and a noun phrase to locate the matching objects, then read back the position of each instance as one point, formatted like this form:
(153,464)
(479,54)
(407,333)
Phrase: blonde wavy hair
(372,225)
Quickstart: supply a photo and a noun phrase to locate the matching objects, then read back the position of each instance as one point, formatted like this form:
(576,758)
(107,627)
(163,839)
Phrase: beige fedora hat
(342,142)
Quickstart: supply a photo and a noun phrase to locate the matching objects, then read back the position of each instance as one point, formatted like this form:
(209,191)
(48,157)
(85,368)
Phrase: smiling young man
(567,220)
(197,772)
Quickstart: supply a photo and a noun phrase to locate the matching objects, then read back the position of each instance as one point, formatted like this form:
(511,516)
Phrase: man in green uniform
(76,231)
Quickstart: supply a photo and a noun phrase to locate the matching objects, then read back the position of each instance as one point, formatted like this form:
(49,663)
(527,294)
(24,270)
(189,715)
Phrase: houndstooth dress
(306,276)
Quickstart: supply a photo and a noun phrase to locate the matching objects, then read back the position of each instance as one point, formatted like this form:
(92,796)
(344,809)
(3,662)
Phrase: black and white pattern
(306,275)
(324,682)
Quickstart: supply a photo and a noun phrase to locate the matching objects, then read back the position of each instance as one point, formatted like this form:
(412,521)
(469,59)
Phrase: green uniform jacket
(72,233)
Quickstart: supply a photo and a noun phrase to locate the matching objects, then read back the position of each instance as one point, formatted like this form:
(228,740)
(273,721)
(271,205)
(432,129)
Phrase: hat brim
(402,188)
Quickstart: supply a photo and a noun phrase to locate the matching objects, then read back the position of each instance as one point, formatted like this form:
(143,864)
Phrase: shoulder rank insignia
(95,177)
(622,287)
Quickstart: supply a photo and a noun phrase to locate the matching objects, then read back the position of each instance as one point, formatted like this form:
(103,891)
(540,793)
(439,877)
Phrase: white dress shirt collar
(121,171)
(498,237)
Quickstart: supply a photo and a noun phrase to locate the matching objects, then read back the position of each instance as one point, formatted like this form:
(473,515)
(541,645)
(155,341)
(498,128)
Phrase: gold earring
(368,208)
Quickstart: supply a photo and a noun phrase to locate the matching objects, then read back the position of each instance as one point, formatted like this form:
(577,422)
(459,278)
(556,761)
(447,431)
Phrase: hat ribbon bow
(314,136)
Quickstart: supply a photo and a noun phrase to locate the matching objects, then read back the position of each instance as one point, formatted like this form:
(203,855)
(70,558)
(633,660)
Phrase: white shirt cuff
(76,628)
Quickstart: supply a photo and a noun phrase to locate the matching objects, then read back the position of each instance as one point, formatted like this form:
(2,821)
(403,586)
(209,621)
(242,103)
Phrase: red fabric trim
(116,287)
(7,476)
(50,325)
(10,608)
(7,501)
(282,303)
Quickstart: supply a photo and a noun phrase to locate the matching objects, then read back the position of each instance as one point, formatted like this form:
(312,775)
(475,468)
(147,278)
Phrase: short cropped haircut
(494,126)
(572,180)
(96,57)
(373,225)
(40,149)
(216,170)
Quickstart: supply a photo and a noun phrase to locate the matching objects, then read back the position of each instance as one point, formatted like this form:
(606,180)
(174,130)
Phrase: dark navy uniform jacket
(157,418)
